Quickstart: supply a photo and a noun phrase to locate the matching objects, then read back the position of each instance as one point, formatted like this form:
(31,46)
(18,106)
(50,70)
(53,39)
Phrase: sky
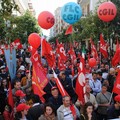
(48,5)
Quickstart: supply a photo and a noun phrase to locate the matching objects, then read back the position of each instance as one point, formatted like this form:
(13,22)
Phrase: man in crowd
(64,112)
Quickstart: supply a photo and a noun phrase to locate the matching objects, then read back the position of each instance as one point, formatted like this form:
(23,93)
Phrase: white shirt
(67,114)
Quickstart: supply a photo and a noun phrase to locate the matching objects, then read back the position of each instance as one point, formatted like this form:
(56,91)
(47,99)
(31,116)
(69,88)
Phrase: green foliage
(24,26)
(92,26)
(7,7)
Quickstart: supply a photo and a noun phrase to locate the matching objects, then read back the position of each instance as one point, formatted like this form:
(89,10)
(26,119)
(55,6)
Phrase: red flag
(10,97)
(61,52)
(39,79)
(11,102)
(116,88)
(64,93)
(59,85)
(48,53)
(69,30)
(80,83)
(117,45)
(103,47)
(72,54)
(17,44)
(93,49)
(116,57)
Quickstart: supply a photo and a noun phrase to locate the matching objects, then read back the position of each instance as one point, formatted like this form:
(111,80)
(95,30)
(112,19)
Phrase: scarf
(50,117)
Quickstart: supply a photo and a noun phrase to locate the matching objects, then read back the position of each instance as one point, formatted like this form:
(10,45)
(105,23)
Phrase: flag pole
(111,97)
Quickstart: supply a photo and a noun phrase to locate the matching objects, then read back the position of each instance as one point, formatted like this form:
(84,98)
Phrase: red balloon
(107,11)
(92,62)
(46,20)
(34,40)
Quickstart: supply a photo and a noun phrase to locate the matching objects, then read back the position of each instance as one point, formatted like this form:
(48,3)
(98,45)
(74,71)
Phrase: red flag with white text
(93,49)
(61,52)
(80,83)
(39,80)
(17,43)
(103,47)
(116,88)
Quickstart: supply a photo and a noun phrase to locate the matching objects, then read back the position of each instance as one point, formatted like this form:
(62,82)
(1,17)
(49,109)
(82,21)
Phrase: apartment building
(24,5)
(59,24)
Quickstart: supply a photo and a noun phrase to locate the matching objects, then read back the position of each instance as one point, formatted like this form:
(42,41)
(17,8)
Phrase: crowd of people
(100,102)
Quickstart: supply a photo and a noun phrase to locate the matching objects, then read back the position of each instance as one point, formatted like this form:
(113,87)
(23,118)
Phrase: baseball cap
(22,107)
(27,71)
(117,98)
(53,88)
(19,93)
(2,67)
(21,67)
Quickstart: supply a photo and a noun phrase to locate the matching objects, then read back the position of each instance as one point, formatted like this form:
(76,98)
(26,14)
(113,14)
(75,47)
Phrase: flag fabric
(72,54)
(17,44)
(39,80)
(61,52)
(10,97)
(59,85)
(117,45)
(80,83)
(93,49)
(116,88)
(69,30)
(10,56)
(10,101)
(116,57)
(47,52)
(103,47)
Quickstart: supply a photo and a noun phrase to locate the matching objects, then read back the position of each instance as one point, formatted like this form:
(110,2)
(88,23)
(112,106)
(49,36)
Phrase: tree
(92,26)
(23,26)
(7,7)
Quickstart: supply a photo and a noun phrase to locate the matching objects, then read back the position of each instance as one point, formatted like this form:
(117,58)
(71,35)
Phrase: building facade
(24,5)
(59,24)
(88,5)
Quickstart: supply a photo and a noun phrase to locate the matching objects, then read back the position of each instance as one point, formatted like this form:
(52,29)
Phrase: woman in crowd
(88,112)
(22,112)
(49,113)
(103,99)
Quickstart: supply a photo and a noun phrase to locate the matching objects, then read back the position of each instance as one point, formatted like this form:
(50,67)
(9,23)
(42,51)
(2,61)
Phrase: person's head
(102,66)
(54,92)
(27,72)
(94,75)
(112,71)
(99,74)
(62,75)
(4,82)
(23,109)
(106,82)
(88,108)
(17,85)
(87,66)
(51,77)
(28,91)
(107,67)
(18,74)
(104,88)
(49,109)
(66,101)
(88,88)
(20,94)
(2,68)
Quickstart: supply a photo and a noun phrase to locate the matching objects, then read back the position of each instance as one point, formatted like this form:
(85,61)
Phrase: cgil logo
(106,12)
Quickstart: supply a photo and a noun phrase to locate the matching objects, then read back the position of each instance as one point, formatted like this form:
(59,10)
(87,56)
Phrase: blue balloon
(71,12)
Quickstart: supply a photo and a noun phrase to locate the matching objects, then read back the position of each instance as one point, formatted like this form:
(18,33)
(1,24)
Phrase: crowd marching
(59,87)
